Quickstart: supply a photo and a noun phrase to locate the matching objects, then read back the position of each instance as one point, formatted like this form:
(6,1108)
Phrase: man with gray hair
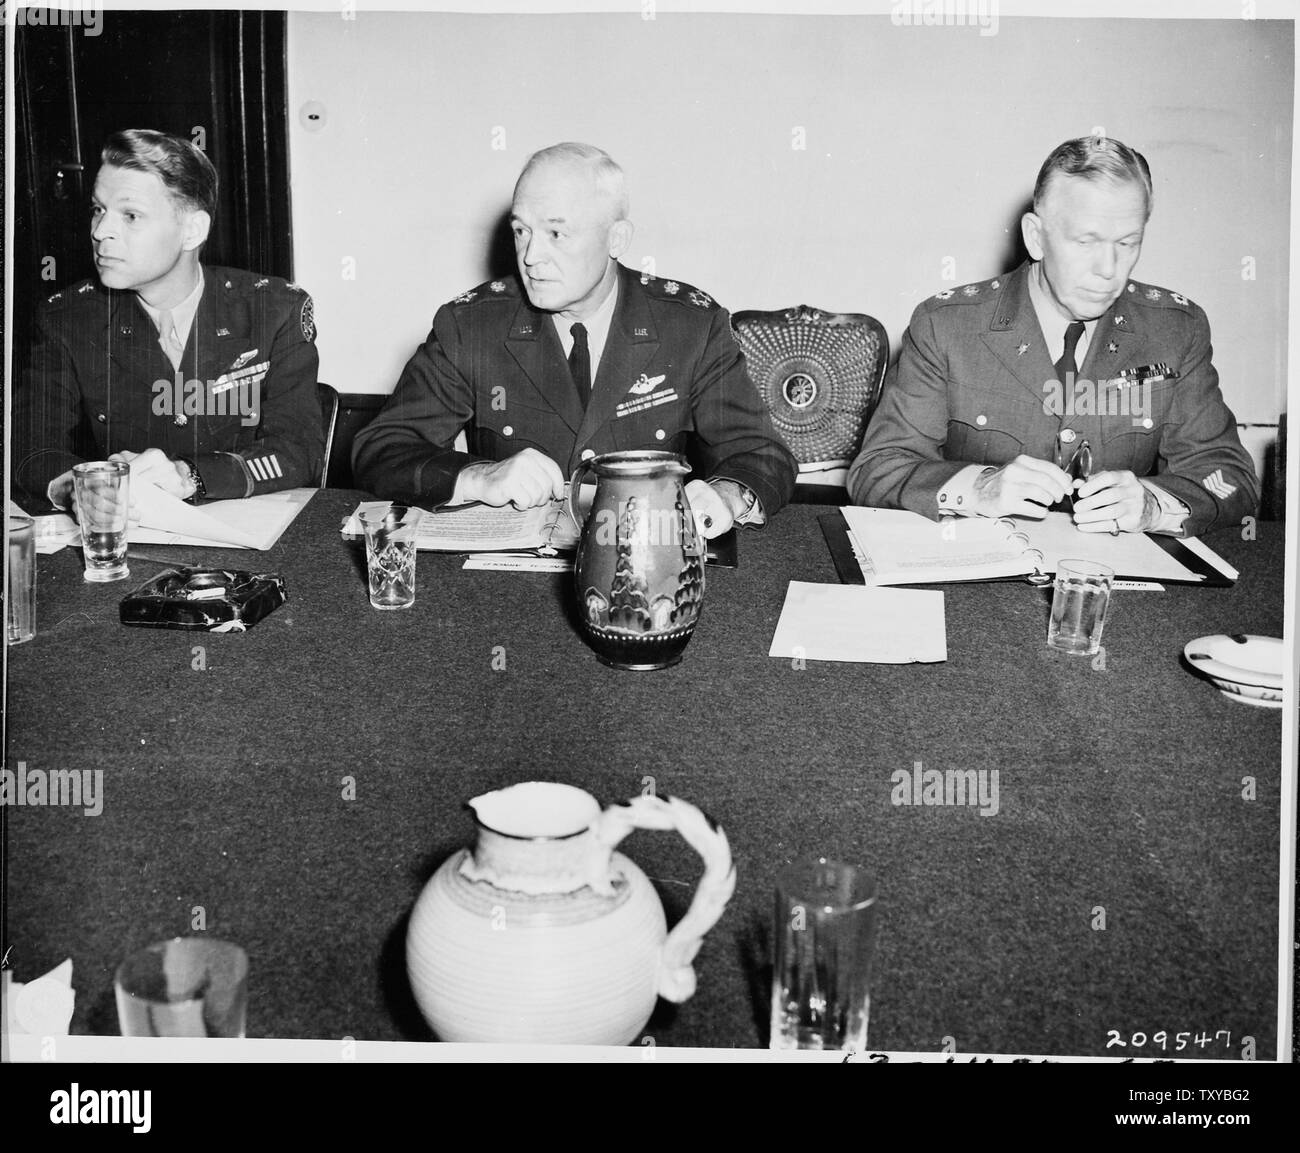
(1063,382)
(578,356)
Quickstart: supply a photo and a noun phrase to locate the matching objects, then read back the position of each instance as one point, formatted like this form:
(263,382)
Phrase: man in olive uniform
(203,378)
(1000,384)
(580,356)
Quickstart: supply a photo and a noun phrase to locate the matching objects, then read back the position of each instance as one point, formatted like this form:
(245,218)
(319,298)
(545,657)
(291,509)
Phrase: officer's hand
(527,479)
(713,516)
(1025,486)
(155,467)
(1115,502)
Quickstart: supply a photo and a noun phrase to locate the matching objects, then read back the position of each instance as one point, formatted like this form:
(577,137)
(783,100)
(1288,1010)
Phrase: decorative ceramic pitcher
(542,933)
(639,572)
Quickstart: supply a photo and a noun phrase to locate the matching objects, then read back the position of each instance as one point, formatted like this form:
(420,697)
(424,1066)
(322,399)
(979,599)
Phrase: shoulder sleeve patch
(307,318)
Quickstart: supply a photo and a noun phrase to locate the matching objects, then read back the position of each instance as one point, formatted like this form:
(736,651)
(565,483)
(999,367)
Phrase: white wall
(921,147)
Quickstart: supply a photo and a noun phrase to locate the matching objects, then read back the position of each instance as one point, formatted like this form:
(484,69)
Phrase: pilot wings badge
(644,384)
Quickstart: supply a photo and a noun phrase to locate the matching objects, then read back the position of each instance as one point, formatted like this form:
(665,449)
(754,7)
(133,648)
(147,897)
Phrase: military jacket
(671,377)
(242,408)
(975,384)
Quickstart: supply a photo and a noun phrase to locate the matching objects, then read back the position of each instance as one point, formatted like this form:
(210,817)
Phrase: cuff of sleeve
(753,513)
(957,496)
(1173,512)
(224,475)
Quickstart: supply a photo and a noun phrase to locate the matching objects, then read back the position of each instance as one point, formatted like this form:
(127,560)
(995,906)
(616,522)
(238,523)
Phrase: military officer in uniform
(579,356)
(203,378)
(1000,385)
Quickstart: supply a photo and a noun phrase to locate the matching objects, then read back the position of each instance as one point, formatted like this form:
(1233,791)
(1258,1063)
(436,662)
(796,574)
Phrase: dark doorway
(216,78)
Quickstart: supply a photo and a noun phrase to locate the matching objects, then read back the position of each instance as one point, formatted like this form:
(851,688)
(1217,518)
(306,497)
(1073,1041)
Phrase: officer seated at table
(203,378)
(579,356)
(1007,391)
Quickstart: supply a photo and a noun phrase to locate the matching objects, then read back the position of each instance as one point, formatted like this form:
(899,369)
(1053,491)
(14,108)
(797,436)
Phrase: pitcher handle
(705,836)
(575,487)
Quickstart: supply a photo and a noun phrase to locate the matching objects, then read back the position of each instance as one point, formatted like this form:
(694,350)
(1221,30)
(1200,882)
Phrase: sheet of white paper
(823,622)
(518,562)
(256,522)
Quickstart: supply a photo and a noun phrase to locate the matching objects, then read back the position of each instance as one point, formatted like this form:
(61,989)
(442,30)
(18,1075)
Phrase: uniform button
(659,434)
(508,431)
(102,418)
(181,419)
(588,453)
(1068,435)
(1146,423)
(981,420)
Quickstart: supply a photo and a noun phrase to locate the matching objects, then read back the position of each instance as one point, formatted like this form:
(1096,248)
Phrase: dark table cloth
(225,759)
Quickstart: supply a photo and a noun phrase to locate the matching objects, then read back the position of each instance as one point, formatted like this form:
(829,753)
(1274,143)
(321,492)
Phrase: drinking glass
(825,935)
(390,555)
(103,492)
(20,606)
(1080,598)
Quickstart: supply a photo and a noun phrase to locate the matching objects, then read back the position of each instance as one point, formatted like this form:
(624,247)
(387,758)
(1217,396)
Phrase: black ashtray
(207,599)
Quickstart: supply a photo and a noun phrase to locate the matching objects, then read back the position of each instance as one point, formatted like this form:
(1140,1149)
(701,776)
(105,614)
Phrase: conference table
(1120,901)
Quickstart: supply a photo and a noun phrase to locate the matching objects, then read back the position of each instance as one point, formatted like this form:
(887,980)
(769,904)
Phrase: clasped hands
(153,465)
(530,478)
(1113,501)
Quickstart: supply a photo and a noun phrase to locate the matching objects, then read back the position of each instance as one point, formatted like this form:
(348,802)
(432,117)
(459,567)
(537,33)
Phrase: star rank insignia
(1022,348)
(465,297)
(1153,294)
(672,287)
(701,299)
(497,286)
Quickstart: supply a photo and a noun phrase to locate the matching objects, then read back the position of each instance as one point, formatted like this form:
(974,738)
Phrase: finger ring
(1114,531)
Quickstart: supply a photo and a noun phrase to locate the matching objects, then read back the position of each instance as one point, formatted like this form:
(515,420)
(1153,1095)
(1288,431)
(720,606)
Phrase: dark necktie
(1066,364)
(580,362)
